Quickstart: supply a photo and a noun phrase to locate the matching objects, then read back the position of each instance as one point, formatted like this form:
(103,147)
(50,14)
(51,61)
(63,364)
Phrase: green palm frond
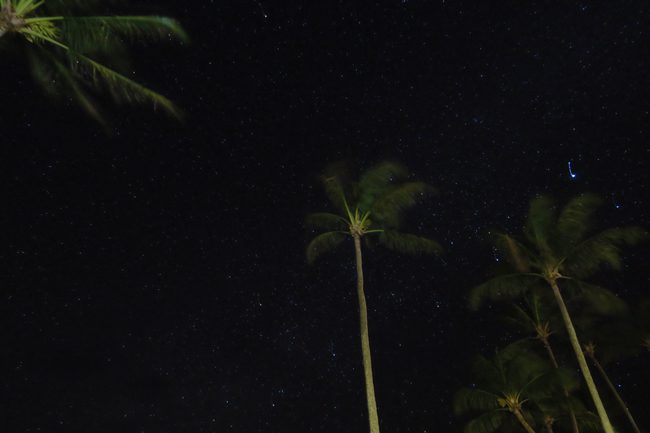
(80,95)
(574,221)
(90,47)
(603,248)
(594,300)
(472,399)
(326,221)
(89,34)
(376,180)
(515,252)
(124,89)
(389,206)
(409,244)
(540,223)
(334,181)
(75,6)
(322,244)
(505,287)
(486,423)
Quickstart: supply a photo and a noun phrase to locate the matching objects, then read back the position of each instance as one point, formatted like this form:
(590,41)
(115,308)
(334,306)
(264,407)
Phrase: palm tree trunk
(582,362)
(522,421)
(615,392)
(373,418)
(572,415)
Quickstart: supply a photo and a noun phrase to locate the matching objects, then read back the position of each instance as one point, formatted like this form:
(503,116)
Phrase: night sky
(154,279)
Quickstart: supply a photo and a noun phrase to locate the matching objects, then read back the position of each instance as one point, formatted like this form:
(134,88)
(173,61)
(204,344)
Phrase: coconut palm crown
(557,246)
(560,248)
(73,52)
(372,205)
(517,387)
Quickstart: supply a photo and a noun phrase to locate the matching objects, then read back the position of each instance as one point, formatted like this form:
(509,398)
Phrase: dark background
(154,280)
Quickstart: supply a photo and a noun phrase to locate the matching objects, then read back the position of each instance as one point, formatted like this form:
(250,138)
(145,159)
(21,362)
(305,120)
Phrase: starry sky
(154,279)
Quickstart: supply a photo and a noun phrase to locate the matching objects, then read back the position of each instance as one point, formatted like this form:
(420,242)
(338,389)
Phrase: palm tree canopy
(74,54)
(558,244)
(372,204)
(514,379)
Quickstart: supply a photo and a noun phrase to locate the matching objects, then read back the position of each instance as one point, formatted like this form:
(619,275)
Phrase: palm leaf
(505,287)
(388,207)
(322,244)
(472,399)
(540,222)
(486,423)
(376,180)
(575,219)
(89,34)
(515,252)
(601,249)
(594,299)
(409,244)
(53,76)
(334,183)
(326,221)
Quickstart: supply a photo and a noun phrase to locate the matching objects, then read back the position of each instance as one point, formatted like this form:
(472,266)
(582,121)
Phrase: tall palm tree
(70,50)
(371,205)
(515,386)
(560,247)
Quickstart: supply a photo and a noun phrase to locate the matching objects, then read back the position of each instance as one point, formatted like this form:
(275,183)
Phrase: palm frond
(472,399)
(82,97)
(409,244)
(122,88)
(334,181)
(326,221)
(515,252)
(376,180)
(322,244)
(575,219)
(75,6)
(594,299)
(388,207)
(54,77)
(90,34)
(540,222)
(603,248)
(505,287)
(486,423)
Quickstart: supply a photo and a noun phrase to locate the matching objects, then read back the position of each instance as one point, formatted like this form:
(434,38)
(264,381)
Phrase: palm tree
(71,53)
(560,247)
(516,386)
(373,205)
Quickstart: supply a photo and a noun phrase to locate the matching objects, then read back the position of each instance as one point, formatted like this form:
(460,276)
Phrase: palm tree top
(70,51)
(557,243)
(513,380)
(372,204)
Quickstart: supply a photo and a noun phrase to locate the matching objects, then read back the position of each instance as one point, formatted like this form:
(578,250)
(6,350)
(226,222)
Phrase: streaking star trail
(571,173)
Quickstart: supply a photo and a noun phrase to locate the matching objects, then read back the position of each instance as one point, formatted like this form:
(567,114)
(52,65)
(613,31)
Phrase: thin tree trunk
(572,415)
(582,362)
(615,392)
(522,421)
(373,418)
